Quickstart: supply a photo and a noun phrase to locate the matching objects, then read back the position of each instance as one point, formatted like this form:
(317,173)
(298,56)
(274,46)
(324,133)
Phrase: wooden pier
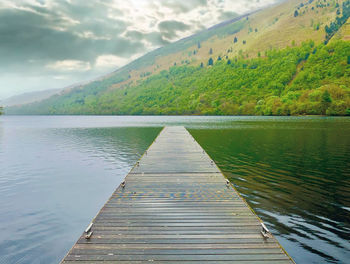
(176,207)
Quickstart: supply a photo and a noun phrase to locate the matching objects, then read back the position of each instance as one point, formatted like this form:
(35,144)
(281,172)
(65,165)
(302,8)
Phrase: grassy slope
(343,33)
(259,86)
(274,27)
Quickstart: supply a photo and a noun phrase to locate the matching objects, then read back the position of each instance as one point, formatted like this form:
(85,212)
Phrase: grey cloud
(181,6)
(27,36)
(42,2)
(225,15)
(35,34)
(169,28)
(155,38)
(134,34)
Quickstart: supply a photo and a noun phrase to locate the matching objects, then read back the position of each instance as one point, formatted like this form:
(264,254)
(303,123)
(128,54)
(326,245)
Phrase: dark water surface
(57,172)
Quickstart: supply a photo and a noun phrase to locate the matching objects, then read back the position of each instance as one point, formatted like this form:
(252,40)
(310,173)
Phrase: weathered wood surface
(176,207)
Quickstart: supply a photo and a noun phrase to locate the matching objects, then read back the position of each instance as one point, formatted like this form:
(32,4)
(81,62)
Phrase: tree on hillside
(244,42)
(326,97)
(1,110)
(326,101)
(219,58)
(338,22)
(211,51)
(272,85)
(296,13)
(199,45)
(235,40)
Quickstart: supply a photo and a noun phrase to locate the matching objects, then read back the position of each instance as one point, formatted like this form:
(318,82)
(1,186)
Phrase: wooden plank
(233,251)
(176,207)
(179,240)
(176,262)
(175,246)
(179,257)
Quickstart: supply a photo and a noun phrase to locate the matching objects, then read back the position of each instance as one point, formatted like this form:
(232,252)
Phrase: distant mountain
(288,59)
(27,98)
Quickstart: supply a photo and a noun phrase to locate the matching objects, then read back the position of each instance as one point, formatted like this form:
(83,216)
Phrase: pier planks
(176,208)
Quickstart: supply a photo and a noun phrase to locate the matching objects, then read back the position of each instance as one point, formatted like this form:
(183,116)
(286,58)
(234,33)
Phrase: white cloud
(112,61)
(59,77)
(69,65)
(107,33)
(144,16)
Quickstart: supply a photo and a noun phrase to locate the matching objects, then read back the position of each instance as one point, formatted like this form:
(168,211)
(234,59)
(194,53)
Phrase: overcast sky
(53,44)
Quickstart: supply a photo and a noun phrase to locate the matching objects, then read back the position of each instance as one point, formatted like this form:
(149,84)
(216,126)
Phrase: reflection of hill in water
(296,176)
(121,144)
(294,171)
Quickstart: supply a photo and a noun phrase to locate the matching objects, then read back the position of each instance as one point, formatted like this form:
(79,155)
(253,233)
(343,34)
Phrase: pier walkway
(176,207)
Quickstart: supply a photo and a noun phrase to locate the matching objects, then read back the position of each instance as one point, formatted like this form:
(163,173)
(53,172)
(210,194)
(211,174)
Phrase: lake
(56,172)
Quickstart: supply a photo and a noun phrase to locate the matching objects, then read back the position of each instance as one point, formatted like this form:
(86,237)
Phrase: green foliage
(1,110)
(327,65)
(294,81)
(326,97)
(339,21)
(220,30)
(296,13)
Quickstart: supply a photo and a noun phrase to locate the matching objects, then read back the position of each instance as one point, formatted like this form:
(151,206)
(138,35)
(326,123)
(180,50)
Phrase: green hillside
(289,59)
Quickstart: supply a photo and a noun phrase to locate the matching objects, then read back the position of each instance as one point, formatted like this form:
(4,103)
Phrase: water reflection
(296,177)
(57,172)
(53,181)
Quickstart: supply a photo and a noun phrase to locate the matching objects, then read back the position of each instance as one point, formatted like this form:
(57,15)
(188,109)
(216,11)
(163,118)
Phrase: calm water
(57,172)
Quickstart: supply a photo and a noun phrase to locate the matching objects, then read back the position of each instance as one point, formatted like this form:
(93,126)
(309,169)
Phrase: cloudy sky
(53,44)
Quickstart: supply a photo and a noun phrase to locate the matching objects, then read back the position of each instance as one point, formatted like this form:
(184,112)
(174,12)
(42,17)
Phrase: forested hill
(289,59)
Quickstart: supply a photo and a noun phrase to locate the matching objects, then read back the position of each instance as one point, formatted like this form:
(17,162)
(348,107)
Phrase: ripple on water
(297,180)
(57,172)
